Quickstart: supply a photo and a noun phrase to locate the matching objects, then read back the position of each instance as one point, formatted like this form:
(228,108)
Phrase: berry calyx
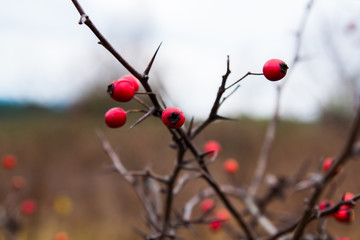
(115,117)
(231,165)
(327,164)
(9,161)
(132,79)
(212,146)
(173,117)
(275,69)
(121,90)
(345,215)
(28,207)
(206,205)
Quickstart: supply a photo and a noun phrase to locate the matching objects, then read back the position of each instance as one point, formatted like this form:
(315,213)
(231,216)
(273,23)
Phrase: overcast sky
(47,58)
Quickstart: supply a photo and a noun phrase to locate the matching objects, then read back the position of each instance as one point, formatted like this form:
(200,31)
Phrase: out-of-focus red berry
(215,225)
(9,161)
(28,207)
(206,205)
(222,215)
(61,236)
(324,204)
(212,146)
(231,165)
(345,215)
(327,164)
(346,197)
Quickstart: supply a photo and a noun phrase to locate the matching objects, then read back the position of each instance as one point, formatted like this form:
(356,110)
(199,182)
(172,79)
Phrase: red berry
(275,69)
(215,225)
(327,164)
(212,146)
(344,215)
(231,165)
(61,236)
(28,207)
(343,238)
(173,117)
(115,117)
(132,79)
(206,205)
(324,204)
(9,161)
(222,215)
(121,90)
(346,197)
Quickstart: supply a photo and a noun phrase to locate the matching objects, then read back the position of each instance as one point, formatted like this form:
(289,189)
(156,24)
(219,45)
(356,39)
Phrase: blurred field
(60,154)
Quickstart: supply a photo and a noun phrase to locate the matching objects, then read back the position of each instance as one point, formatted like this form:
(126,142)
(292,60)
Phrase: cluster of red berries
(123,90)
(221,216)
(346,213)
(28,206)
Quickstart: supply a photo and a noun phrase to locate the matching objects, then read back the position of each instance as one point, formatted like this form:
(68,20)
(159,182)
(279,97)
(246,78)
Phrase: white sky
(47,58)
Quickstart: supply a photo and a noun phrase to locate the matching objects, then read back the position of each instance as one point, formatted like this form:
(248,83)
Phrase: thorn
(143,117)
(147,70)
(190,126)
(224,118)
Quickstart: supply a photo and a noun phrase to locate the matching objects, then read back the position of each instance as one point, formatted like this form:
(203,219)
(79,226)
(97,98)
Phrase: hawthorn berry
(346,197)
(9,161)
(275,69)
(115,117)
(327,164)
(206,205)
(61,236)
(132,79)
(215,225)
(212,146)
(173,117)
(28,207)
(345,215)
(324,204)
(222,215)
(231,165)
(121,90)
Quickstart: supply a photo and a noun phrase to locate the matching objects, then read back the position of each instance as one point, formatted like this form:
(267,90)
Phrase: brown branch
(345,154)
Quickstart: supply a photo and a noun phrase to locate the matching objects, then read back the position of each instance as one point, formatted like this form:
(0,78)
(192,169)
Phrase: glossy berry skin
(231,165)
(344,215)
(115,117)
(275,69)
(132,79)
(327,164)
(28,207)
(222,215)
(212,146)
(206,205)
(9,161)
(121,91)
(173,117)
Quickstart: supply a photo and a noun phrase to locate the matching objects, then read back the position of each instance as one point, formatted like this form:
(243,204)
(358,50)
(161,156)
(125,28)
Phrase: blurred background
(53,79)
